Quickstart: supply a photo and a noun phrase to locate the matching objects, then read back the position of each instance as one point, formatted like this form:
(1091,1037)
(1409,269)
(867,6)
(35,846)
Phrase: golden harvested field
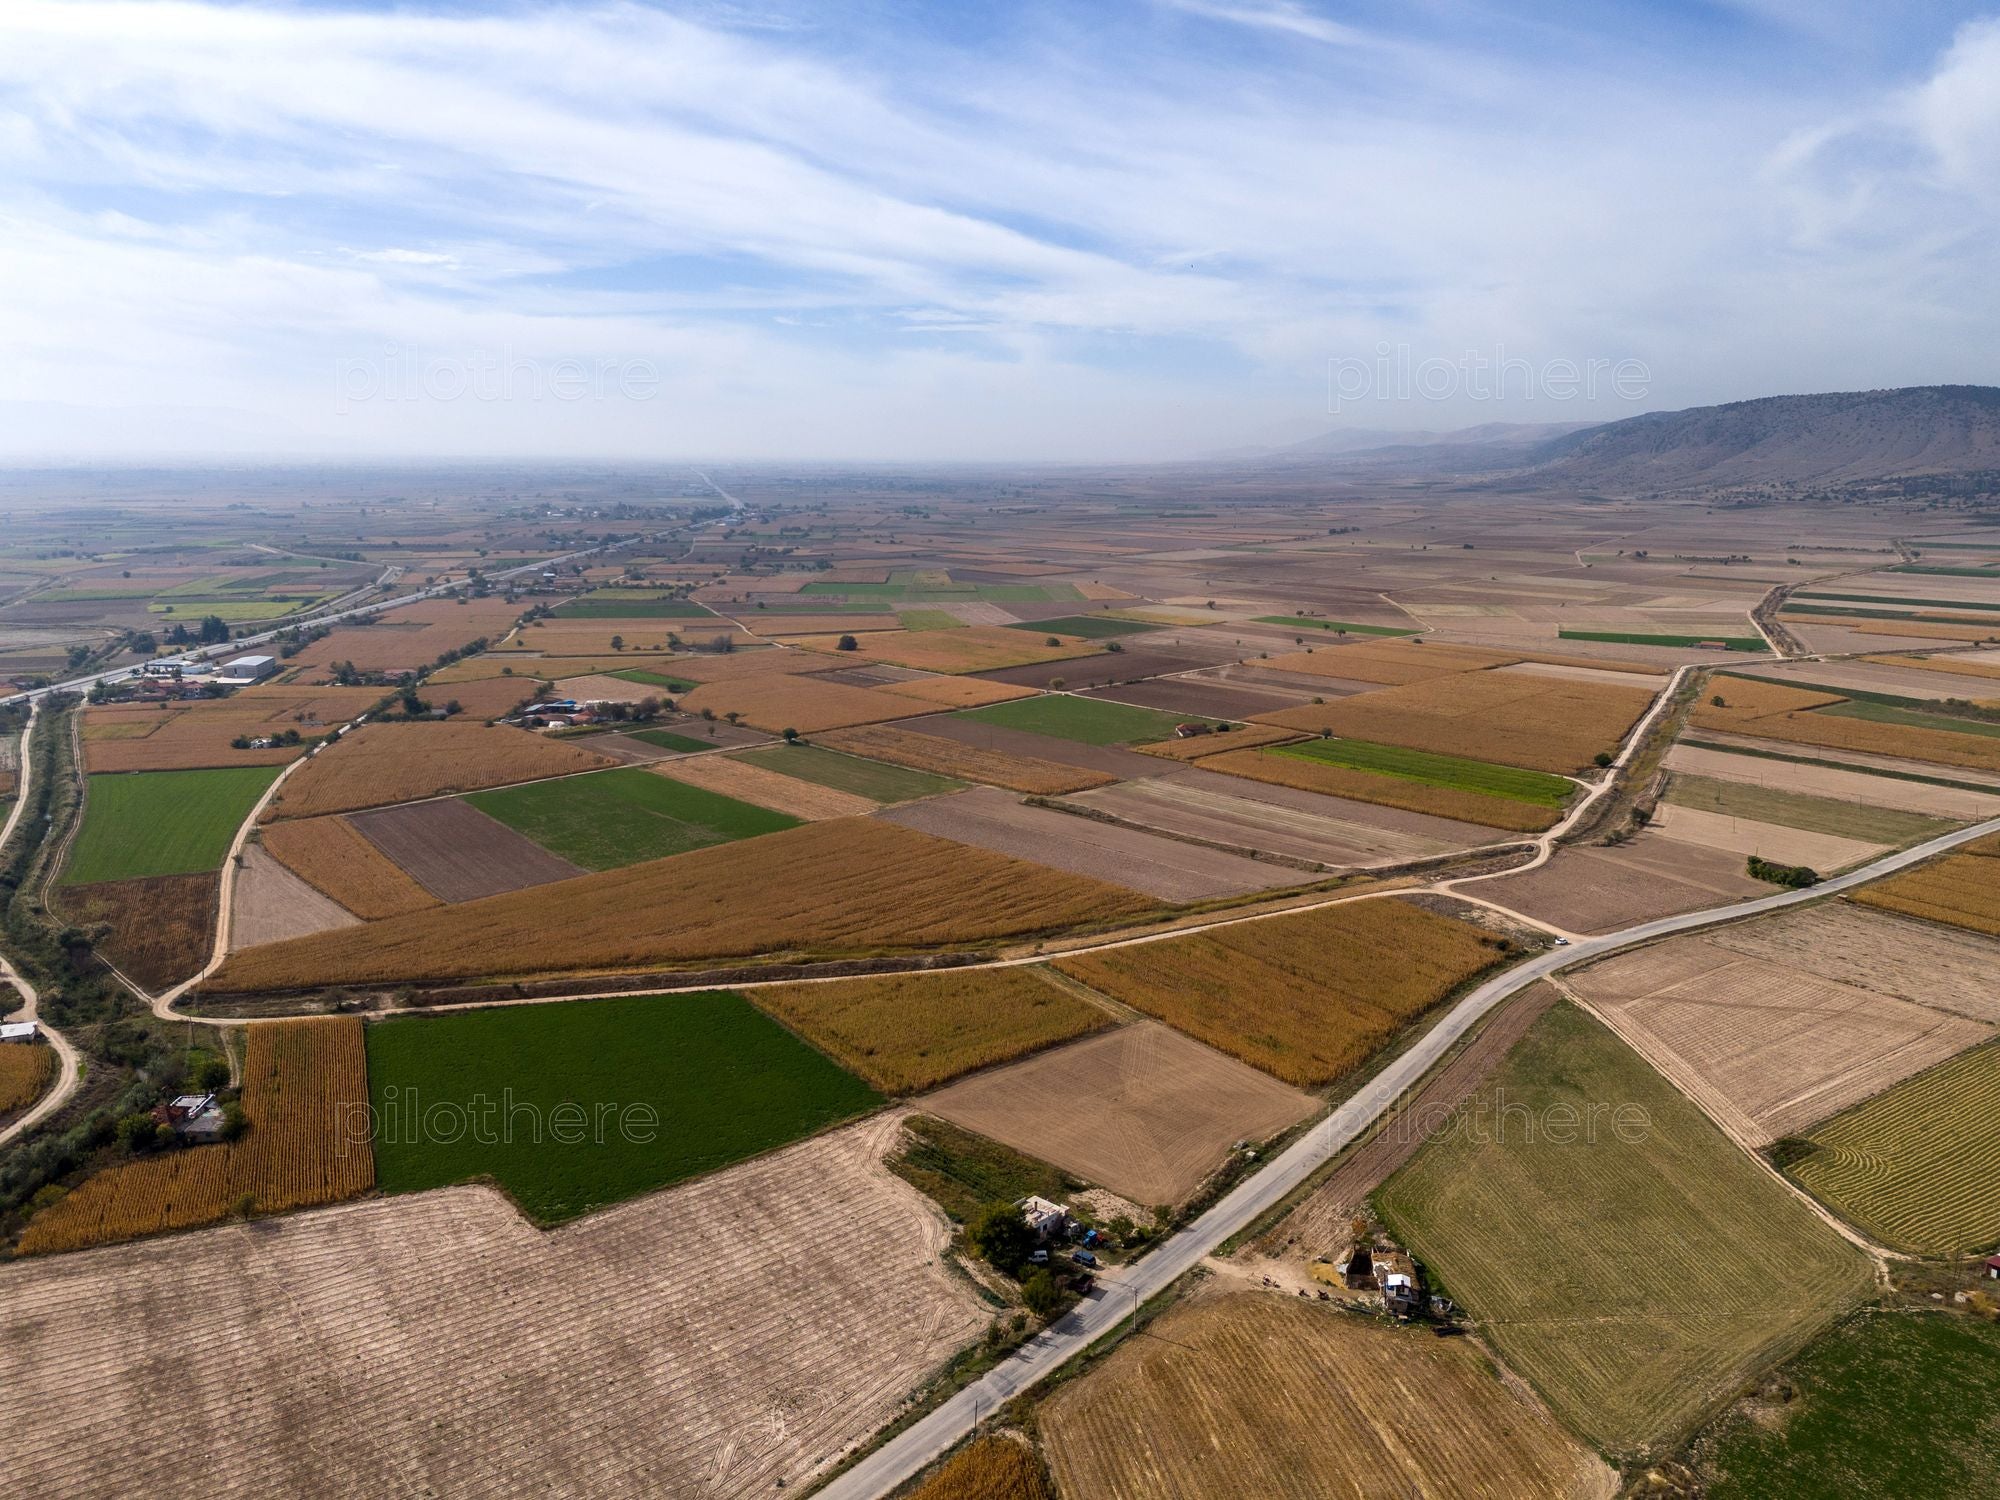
(1249,1394)
(1391,662)
(1961,890)
(648,637)
(972,648)
(989,1468)
(25,1070)
(409,638)
(777,701)
(1307,998)
(772,789)
(195,733)
(1918,1167)
(305,1087)
(1538,723)
(1385,791)
(380,764)
(730,666)
(906,1032)
(330,855)
(826,888)
(1620,1253)
(489,697)
(505,665)
(1961,664)
(943,757)
(1769,711)
(455,1329)
(1201,746)
(960,692)
(1746,700)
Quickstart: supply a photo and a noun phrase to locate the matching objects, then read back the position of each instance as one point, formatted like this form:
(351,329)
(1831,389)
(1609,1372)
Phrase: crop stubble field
(1247,1394)
(381,764)
(1962,889)
(333,857)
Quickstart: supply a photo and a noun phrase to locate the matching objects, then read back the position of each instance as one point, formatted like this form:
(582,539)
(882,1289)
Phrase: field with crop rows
(1391,662)
(1619,1252)
(949,758)
(1918,1167)
(1827,815)
(1641,638)
(1088,721)
(906,1032)
(880,783)
(305,1093)
(777,701)
(840,887)
(989,1468)
(1317,766)
(25,1070)
(1250,1394)
(1307,998)
(161,822)
(959,692)
(1961,890)
(331,855)
(380,764)
(730,776)
(616,818)
(1804,716)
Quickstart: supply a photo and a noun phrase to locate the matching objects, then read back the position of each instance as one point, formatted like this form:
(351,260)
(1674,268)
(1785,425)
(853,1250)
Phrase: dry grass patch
(841,887)
(331,855)
(775,702)
(193,734)
(25,1070)
(1391,662)
(380,764)
(766,788)
(972,648)
(162,927)
(906,1032)
(1307,998)
(1201,746)
(1384,791)
(1249,1394)
(303,1084)
(1539,723)
(943,757)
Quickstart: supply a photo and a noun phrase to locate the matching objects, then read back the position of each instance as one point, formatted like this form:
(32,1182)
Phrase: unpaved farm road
(71,1073)
(1115,1298)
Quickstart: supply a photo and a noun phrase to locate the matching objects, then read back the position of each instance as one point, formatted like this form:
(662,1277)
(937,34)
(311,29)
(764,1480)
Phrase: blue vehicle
(1084,1258)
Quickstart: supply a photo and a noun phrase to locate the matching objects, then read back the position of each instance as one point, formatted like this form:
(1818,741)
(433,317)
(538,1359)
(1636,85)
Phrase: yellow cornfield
(24,1073)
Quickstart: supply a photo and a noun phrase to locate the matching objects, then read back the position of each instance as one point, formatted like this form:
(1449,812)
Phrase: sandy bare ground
(1846,786)
(717,1339)
(1305,825)
(1163,867)
(1591,889)
(1767,1049)
(772,789)
(1142,1110)
(1824,852)
(1941,967)
(272,904)
(457,853)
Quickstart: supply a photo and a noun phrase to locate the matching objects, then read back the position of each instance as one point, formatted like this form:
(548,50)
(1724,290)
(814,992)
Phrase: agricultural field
(1088,721)
(642,677)
(160,929)
(1962,889)
(333,857)
(1139,1109)
(1339,627)
(878,782)
(667,739)
(973,648)
(1752,643)
(616,818)
(1917,1167)
(1823,799)
(408,639)
(1541,723)
(269,904)
(796,799)
(1620,1261)
(988,1468)
(628,604)
(1307,997)
(1246,1394)
(958,692)
(161,822)
(191,734)
(595,1100)
(26,1068)
(1392,663)
(473,1323)
(777,701)
(380,764)
(903,1033)
(1888,1406)
(1837,940)
(1590,888)
(960,762)
(1808,716)
(455,852)
(1087,627)
(1221,737)
(1776,842)
(1412,780)
(305,1094)
(840,887)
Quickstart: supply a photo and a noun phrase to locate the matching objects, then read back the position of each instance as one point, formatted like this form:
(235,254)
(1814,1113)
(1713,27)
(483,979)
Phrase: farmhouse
(194,1115)
(1050,1221)
(17,1031)
(1993,1268)
(244,670)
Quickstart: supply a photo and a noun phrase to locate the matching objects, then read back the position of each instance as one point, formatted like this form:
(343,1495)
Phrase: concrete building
(244,670)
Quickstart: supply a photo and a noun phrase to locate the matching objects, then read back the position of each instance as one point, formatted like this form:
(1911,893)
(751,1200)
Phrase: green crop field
(1890,1405)
(1088,721)
(1762,804)
(1432,769)
(613,818)
(573,1106)
(963,1173)
(162,822)
(1888,713)
(1090,627)
(928,619)
(1854,613)
(666,739)
(1981,572)
(627,607)
(1917,1166)
(850,773)
(644,678)
(1346,627)
(1899,599)
(1635,638)
(1619,1252)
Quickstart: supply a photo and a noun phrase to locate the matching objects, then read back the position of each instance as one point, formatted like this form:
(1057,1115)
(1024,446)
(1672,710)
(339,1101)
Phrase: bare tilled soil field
(456,852)
(1157,866)
(1198,698)
(271,904)
(1824,852)
(1849,944)
(1281,820)
(1251,1394)
(1142,1110)
(1855,786)
(772,789)
(1590,888)
(1764,1048)
(714,1340)
(380,764)
(331,855)
(1112,762)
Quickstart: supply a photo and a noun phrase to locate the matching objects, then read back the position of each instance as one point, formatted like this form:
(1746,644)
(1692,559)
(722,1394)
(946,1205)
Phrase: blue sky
(980,231)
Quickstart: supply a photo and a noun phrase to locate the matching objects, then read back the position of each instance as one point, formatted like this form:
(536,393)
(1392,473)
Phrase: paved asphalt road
(1115,1297)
